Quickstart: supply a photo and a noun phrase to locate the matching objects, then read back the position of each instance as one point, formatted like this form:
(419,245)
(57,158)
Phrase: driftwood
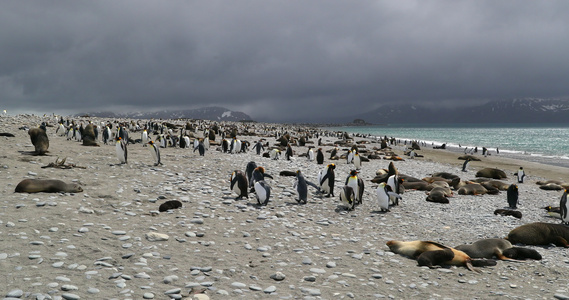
(61,165)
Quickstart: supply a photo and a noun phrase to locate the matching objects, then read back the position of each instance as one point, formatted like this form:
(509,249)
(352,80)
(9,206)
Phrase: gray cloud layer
(277,60)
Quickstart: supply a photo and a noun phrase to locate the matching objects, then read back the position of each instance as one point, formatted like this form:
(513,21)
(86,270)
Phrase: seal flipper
(560,242)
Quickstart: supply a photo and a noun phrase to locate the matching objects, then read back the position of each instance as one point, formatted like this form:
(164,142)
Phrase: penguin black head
(353,172)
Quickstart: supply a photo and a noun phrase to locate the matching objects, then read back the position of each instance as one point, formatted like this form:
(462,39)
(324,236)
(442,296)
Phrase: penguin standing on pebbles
(465,165)
(348,197)
(301,187)
(263,192)
(319,156)
(382,197)
(239,184)
(357,184)
(564,208)
(512,194)
(121,150)
(326,179)
(521,174)
(155,150)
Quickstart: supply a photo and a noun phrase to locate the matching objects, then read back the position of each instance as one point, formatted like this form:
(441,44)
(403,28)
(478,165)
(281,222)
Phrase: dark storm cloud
(277,60)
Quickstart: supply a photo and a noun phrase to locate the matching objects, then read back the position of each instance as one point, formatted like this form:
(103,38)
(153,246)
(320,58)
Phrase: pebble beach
(110,241)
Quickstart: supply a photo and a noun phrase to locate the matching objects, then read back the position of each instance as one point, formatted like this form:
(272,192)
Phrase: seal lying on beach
(46,186)
(488,248)
(439,195)
(508,212)
(491,173)
(414,249)
(540,234)
(472,189)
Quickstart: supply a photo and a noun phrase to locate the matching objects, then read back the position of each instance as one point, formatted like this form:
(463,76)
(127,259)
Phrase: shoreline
(108,242)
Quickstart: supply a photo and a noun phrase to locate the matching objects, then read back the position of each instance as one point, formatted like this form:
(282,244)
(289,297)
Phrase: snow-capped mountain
(527,110)
(206,113)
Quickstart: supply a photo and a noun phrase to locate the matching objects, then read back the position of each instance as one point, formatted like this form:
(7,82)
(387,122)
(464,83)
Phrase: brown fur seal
(445,175)
(89,136)
(508,212)
(417,185)
(415,248)
(39,140)
(472,189)
(521,253)
(439,195)
(491,173)
(502,186)
(551,187)
(433,258)
(46,186)
(486,248)
(172,204)
(471,157)
(540,234)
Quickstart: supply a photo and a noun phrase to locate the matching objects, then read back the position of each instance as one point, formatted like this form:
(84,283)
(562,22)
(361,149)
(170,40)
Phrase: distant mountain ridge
(205,113)
(526,110)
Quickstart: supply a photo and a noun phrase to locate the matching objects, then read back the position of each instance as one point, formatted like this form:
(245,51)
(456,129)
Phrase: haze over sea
(544,143)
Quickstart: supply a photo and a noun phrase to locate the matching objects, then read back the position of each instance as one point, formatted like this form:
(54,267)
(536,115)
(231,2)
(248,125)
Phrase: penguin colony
(389,184)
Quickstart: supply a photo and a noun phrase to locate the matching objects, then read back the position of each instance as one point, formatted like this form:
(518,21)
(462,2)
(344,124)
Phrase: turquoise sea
(545,143)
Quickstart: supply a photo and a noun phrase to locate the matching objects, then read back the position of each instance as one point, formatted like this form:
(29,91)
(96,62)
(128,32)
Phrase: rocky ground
(108,242)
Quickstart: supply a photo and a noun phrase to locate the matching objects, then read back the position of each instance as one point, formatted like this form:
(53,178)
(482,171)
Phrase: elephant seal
(39,140)
(172,204)
(88,136)
(486,248)
(47,186)
(521,253)
(415,248)
(491,173)
(508,212)
(472,189)
(439,195)
(433,258)
(540,234)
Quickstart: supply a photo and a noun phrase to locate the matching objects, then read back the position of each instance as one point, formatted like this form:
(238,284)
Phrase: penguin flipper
(313,185)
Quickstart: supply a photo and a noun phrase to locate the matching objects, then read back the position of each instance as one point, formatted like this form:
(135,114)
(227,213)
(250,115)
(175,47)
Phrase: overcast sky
(277,60)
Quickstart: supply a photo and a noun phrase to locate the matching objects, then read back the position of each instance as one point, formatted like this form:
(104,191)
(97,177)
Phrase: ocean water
(540,143)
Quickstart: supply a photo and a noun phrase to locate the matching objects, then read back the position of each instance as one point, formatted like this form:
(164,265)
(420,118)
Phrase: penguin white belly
(382,198)
(120,152)
(353,183)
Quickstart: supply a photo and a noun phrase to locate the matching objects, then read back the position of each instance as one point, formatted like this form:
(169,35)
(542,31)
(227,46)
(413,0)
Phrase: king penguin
(465,164)
(263,192)
(310,154)
(357,184)
(275,154)
(155,150)
(251,166)
(107,135)
(239,184)
(301,187)
(382,197)
(288,153)
(348,197)
(144,138)
(512,195)
(326,179)
(357,161)
(201,148)
(319,156)
(121,149)
(563,205)
(521,174)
